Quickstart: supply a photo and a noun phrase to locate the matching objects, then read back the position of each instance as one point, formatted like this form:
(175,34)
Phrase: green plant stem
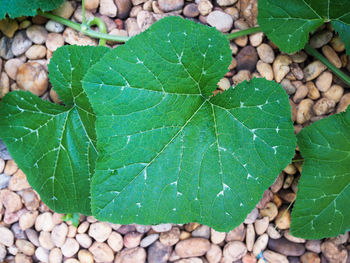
(244,32)
(84,29)
(297,160)
(101,25)
(83,11)
(313,52)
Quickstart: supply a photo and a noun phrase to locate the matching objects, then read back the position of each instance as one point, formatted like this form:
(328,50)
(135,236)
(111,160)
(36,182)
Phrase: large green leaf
(288,24)
(168,150)
(55,145)
(17,8)
(322,204)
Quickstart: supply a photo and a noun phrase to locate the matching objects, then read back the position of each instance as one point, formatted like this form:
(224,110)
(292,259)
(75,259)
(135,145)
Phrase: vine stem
(313,52)
(243,32)
(83,28)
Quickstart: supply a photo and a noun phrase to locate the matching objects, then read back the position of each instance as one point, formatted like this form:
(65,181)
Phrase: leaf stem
(83,28)
(244,32)
(313,52)
(83,11)
(101,25)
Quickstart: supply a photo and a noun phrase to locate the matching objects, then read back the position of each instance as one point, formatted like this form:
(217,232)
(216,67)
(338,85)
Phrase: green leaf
(322,204)
(54,145)
(17,8)
(168,150)
(289,25)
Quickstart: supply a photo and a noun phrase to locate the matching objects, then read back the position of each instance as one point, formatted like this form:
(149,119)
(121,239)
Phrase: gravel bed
(31,232)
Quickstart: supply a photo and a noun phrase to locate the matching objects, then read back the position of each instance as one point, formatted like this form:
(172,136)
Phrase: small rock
(20,43)
(332,56)
(299,95)
(11,67)
(85,256)
(10,200)
(343,103)
(273,257)
(32,236)
(171,237)
(304,112)
(334,253)
(30,200)
(260,244)
(126,229)
(313,70)
(224,84)
(5,48)
(237,234)
(335,93)
(132,255)
(267,197)
(226,2)
(36,52)
(32,76)
(73,37)
(25,247)
(313,246)
(266,53)
(115,241)
(162,228)
(3,252)
(265,70)
(158,253)
(92,4)
(234,251)
(65,10)
(18,232)
(4,89)
(59,234)
(37,34)
(145,19)
(54,41)
(217,237)
(4,180)
(108,8)
(70,247)
(132,27)
(292,238)
(6,236)
(44,222)
(55,255)
(54,27)
(191,10)
(323,106)
(273,233)
(270,210)
(123,7)
(102,252)
(132,239)
(84,240)
(282,220)
(205,7)
(252,216)
(8,27)
(250,237)
(149,240)
(83,227)
(18,182)
(286,247)
(214,254)
(201,231)
(10,167)
(220,20)
(170,5)
(21,258)
(310,257)
(42,254)
(247,58)
(261,225)
(45,240)
(100,231)
(281,67)
(321,38)
(324,81)
(192,247)
(256,39)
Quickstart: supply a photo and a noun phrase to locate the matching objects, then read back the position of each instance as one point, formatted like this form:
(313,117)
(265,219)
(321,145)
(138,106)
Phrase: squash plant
(140,138)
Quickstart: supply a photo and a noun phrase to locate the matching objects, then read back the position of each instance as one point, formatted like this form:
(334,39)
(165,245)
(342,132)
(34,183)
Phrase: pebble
(73,37)
(170,5)
(224,84)
(310,257)
(54,27)
(217,237)
(32,76)
(220,20)
(286,247)
(123,8)
(304,111)
(281,67)
(252,216)
(313,246)
(158,253)
(335,93)
(84,240)
(21,258)
(201,231)
(273,257)
(260,244)
(25,247)
(10,200)
(37,34)
(314,93)
(265,70)
(55,256)
(20,43)
(323,106)
(292,238)
(247,58)
(261,225)
(301,92)
(3,252)
(149,240)
(17,231)
(42,254)
(54,41)
(313,70)
(321,38)
(108,8)
(36,52)
(4,180)
(324,81)
(332,56)
(85,256)
(65,10)
(191,10)
(18,182)
(265,53)
(234,251)
(115,241)
(4,89)
(145,19)
(256,39)
(334,253)
(44,222)
(102,252)
(192,247)
(5,48)
(214,254)
(133,255)
(8,27)
(59,234)
(273,233)
(45,240)
(70,247)
(6,236)
(131,239)
(131,27)
(205,7)
(267,197)
(11,67)
(162,228)
(32,236)
(237,234)
(270,210)
(30,199)
(343,103)
(171,237)
(250,237)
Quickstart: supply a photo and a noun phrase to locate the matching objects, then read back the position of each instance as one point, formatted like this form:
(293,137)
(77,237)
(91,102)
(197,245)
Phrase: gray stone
(149,240)
(285,247)
(158,253)
(5,48)
(20,43)
(4,180)
(53,26)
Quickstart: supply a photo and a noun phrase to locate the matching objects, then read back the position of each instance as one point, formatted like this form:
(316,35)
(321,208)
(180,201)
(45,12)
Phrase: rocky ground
(30,232)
